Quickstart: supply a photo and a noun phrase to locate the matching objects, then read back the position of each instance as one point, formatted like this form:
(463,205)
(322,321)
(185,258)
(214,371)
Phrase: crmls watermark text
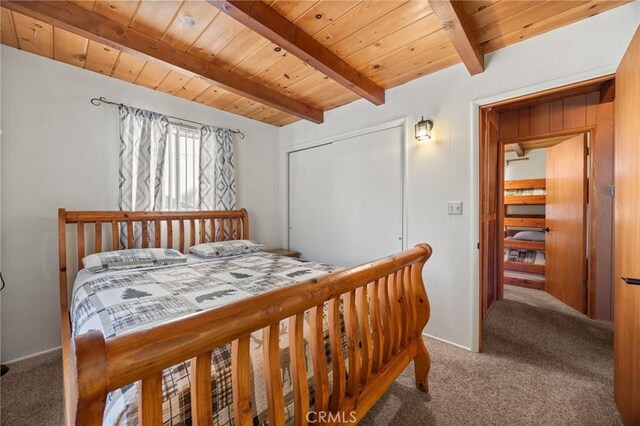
(327,417)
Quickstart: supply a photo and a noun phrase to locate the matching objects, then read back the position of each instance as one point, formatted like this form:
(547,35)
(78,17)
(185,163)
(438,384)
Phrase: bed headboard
(98,231)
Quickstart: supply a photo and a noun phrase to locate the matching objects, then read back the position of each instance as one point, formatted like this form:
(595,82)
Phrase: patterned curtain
(217,170)
(143,140)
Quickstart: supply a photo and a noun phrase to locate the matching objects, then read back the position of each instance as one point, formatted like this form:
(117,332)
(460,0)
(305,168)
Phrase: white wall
(533,168)
(60,151)
(447,170)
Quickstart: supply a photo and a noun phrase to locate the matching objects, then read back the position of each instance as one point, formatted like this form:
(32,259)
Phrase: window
(181,174)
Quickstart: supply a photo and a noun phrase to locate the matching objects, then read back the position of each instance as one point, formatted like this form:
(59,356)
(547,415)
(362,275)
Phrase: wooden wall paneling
(100,58)
(539,118)
(574,112)
(592,102)
(523,122)
(601,178)
(555,116)
(509,124)
(69,48)
(7,29)
(33,35)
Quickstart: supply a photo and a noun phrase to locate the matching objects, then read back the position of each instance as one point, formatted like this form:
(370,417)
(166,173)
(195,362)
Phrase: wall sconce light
(423,129)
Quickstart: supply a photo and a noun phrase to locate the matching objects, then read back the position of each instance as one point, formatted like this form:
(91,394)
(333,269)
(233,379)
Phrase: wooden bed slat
(385,318)
(169,233)
(157,233)
(181,236)
(145,235)
(98,237)
(298,369)
(241,381)
(273,384)
(351,329)
(376,327)
(321,379)
(150,400)
(201,404)
(362,307)
(129,234)
(337,356)
(115,237)
(81,247)
(192,229)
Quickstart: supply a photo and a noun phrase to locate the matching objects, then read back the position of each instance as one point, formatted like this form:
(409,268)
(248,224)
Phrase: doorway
(517,127)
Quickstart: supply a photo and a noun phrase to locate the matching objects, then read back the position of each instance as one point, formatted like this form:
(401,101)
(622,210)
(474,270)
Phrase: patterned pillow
(131,259)
(226,248)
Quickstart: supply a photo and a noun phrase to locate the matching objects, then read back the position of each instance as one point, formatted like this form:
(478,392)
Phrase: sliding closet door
(347,209)
(310,201)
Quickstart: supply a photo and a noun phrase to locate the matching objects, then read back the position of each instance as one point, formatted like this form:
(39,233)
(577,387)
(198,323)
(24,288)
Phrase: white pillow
(132,259)
(226,248)
(529,236)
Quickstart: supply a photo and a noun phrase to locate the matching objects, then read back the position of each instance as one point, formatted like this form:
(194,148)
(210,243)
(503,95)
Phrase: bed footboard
(385,309)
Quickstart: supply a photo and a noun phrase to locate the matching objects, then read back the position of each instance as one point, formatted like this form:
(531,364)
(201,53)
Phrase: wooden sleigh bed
(384,307)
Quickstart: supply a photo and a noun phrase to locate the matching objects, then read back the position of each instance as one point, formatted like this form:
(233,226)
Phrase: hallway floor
(542,364)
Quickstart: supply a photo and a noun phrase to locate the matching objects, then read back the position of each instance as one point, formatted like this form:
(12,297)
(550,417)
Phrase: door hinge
(612,190)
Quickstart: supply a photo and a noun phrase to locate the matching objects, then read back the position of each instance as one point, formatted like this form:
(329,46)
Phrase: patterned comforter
(118,302)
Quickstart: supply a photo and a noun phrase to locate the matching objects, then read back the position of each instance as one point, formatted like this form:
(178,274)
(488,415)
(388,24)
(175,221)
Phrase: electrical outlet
(454,207)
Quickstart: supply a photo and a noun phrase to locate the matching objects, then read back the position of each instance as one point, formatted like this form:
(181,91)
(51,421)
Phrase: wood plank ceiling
(388,42)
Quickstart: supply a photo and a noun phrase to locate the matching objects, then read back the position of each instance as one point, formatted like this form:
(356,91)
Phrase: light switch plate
(454,207)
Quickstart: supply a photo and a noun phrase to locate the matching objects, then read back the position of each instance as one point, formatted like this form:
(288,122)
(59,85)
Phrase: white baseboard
(447,342)
(46,351)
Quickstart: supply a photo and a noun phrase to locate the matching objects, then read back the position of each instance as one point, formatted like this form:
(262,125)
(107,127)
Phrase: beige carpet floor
(542,365)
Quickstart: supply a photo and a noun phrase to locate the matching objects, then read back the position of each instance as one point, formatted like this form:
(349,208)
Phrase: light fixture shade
(423,129)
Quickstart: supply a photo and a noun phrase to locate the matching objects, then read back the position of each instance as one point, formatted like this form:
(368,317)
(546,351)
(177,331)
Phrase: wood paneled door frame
(491,177)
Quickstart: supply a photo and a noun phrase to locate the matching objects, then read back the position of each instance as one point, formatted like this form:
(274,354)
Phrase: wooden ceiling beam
(266,21)
(517,148)
(96,27)
(457,26)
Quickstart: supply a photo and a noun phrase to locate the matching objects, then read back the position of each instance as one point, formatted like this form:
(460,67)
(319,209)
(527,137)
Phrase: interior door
(627,236)
(346,198)
(565,247)
(490,231)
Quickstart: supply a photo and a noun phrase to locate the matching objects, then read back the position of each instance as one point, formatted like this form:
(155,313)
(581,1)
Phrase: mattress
(119,302)
(524,191)
(532,257)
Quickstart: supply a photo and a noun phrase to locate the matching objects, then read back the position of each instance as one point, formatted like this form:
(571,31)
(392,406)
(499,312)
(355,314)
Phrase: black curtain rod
(102,100)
